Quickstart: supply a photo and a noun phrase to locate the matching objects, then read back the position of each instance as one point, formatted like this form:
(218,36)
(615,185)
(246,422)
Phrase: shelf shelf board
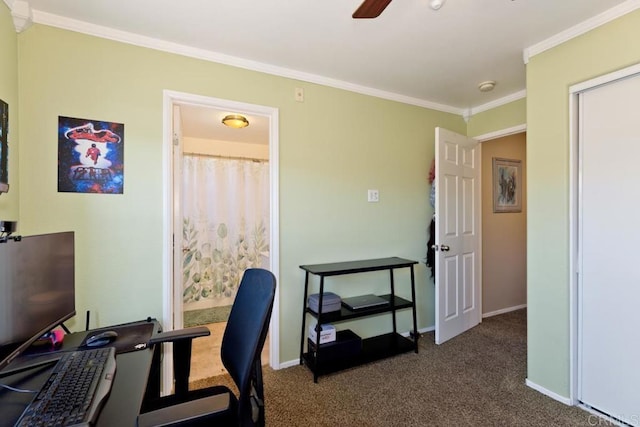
(350,267)
(374,348)
(346,314)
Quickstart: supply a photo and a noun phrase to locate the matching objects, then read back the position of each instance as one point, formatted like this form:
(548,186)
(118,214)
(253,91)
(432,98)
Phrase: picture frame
(507,185)
(90,156)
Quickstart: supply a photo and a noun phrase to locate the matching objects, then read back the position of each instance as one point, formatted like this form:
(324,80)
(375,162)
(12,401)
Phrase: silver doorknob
(444,248)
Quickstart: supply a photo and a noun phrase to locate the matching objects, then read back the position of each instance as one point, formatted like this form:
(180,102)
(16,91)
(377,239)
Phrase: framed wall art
(90,156)
(507,185)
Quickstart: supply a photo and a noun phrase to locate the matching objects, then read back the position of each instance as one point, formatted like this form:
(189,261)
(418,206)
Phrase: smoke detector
(436,4)
(487,86)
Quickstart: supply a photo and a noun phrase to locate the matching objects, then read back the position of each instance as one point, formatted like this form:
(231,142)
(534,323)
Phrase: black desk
(137,373)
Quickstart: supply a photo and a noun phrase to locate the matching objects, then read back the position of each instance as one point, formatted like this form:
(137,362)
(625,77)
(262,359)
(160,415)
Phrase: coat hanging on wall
(431,253)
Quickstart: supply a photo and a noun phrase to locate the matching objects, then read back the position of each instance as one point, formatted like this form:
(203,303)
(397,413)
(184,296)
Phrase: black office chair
(242,344)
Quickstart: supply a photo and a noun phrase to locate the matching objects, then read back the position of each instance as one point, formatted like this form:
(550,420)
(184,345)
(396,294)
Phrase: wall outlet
(299,94)
(373,196)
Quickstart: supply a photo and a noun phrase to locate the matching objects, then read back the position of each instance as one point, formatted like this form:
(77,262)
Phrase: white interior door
(609,280)
(458,226)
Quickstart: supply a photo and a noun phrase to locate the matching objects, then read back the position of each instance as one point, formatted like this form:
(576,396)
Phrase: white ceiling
(409,53)
(206,123)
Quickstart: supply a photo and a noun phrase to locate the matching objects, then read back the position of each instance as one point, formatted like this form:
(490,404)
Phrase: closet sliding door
(609,243)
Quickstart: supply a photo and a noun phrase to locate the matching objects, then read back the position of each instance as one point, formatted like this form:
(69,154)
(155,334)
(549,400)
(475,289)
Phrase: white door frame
(172,304)
(500,133)
(513,130)
(484,138)
(575,194)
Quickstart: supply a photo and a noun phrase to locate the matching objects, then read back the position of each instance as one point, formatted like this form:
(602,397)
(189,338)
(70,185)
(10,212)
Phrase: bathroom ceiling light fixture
(235,121)
(436,4)
(487,86)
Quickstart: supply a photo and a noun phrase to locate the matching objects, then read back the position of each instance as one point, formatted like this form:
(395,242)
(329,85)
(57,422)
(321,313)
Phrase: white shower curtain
(226,226)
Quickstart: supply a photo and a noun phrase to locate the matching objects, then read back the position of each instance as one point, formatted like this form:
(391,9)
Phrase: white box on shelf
(327,333)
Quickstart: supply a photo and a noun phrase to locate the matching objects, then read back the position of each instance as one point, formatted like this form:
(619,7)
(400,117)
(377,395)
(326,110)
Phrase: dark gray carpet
(476,379)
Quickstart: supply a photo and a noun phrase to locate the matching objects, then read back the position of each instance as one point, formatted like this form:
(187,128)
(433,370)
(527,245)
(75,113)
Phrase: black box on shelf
(347,345)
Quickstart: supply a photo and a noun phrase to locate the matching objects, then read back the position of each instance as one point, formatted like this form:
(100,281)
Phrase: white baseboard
(551,394)
(288,364)
(503,310)
(429,329)
(420,331)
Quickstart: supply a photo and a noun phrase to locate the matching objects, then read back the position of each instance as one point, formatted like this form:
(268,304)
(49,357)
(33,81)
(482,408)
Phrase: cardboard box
(347,345)
(327,334)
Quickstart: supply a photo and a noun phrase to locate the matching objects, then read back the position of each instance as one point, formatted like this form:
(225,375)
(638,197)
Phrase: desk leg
(153,383)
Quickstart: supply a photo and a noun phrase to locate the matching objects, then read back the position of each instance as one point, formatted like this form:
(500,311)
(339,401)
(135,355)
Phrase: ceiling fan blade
(370,8)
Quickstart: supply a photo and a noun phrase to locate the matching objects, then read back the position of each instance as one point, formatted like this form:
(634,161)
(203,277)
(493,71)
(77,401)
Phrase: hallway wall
(504,235)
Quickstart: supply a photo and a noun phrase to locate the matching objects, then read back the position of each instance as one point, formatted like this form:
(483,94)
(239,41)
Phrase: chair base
(202,411)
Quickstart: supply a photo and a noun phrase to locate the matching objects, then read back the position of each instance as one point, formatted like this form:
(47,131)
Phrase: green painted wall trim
(549,76)
(9,202)
(499,118)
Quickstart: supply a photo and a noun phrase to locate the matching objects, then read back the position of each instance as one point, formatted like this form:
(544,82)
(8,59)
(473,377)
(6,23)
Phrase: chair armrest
(181,340)
(187,411)
(180,335)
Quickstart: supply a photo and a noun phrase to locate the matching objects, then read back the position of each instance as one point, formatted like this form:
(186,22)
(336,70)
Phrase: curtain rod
(216,156)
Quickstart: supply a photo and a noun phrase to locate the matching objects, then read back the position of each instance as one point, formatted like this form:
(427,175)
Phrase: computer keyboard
(75,391)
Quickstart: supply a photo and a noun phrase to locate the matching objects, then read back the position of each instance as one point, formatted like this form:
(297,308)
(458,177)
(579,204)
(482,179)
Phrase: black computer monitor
(37,289)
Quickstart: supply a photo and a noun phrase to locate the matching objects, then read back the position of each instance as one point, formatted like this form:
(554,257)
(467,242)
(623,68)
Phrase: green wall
(499,118)
(9,207)
(327,163)
(549,76)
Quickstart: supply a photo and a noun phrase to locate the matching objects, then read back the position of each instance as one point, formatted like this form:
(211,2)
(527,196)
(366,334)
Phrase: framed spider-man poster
(90,156)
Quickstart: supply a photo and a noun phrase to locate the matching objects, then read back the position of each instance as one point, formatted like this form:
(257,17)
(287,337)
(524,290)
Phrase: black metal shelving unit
(373,348)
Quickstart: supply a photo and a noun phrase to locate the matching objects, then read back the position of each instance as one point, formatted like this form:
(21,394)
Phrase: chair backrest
(246,331)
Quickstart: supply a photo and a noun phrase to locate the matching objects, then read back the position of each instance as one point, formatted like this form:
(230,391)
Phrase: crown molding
(498,102)
(582,28)
(24,16)
(21,14)
(57,21)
